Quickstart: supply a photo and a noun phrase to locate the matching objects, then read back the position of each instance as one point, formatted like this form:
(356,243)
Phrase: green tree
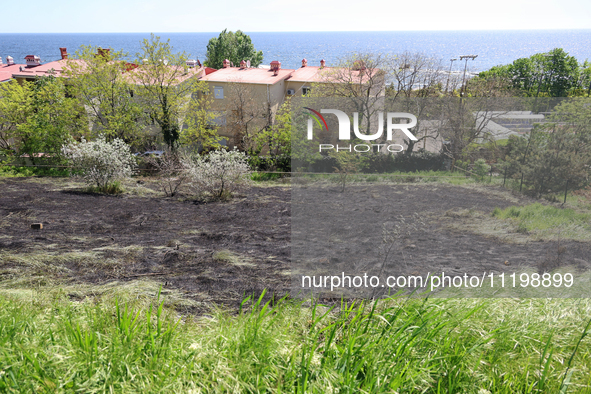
(165,86)
(276,139)
(562,72)
(234,47)
(38,117)
(98,79)
(514,157)
(495,82)
(557,155)
(553,74)
(583,87)
(200,130)
(15,106)
(556,161)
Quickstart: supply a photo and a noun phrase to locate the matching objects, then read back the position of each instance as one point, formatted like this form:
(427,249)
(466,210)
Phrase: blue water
(492,47)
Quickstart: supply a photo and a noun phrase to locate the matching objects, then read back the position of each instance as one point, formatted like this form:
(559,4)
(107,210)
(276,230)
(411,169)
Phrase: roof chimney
(275,66)
(130,66)
(359,65)
(9,61)
(103,52)
(1,60)
(226,63)
(242,64)
(64,53)
(322,63)
(32,60)
(191,63)
(304,62)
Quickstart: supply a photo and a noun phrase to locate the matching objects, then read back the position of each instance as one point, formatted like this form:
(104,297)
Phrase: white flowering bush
(99,162)
(221,173)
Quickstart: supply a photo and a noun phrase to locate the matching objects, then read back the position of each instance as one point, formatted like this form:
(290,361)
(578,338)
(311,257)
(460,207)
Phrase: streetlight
(451,62)
(465,67)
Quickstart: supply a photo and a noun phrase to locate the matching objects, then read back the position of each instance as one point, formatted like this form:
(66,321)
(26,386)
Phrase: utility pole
(451,62)
(466,57)
(462,92)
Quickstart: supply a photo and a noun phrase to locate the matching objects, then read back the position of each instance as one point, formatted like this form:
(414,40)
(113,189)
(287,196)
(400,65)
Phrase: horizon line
(302,31)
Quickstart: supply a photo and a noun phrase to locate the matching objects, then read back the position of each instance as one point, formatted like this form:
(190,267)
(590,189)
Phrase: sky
(117,16)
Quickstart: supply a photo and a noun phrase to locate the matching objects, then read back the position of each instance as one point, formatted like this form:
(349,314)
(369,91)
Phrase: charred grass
(141,293)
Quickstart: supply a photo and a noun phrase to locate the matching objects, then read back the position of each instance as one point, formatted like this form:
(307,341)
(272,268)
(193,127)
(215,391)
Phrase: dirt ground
(213,252)
(419,229)
(216,253)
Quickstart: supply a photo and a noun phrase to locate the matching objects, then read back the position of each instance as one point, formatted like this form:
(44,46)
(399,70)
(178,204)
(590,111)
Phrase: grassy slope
(51,344)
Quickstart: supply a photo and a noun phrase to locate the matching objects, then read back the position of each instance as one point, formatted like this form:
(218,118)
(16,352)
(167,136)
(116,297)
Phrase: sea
(491,47)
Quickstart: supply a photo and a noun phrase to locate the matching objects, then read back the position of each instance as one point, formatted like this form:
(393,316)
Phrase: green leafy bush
(481,168)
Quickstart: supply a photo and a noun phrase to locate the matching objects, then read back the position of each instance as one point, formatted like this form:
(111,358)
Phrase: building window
(219,119)
(306,91)
(218,92)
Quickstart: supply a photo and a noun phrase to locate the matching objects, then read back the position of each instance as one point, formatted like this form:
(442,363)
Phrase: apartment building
(246,92)
(254,94)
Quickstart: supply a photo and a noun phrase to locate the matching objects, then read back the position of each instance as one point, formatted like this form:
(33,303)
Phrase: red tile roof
(6,71)
(247,75)
(177,73)
(308,74)
(265,76)
(52,68)
(57,68)
(324,74)
(228,75)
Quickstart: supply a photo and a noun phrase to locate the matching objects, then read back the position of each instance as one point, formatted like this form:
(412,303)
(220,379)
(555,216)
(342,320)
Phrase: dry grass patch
(226,256)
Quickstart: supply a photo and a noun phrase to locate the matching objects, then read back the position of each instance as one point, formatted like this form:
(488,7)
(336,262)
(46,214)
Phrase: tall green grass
(394,346)
(545,219)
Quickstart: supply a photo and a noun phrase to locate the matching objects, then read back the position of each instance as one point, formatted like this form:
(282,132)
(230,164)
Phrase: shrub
(420,161)
(101,163)
(221,173)
(172,169)
(462,164)
(265,176)
(481,168)
(281,163)
(112,188)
